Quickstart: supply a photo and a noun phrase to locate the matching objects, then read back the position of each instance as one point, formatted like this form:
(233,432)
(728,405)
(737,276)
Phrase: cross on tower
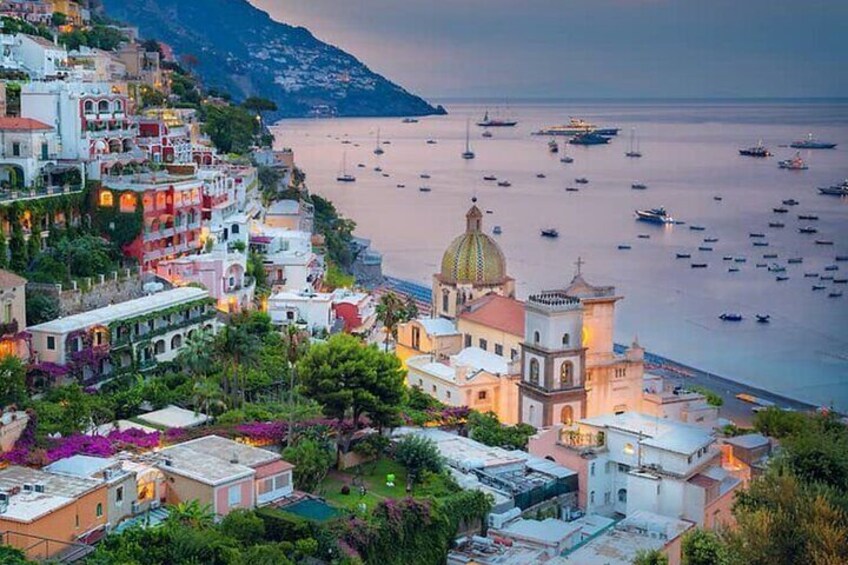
(580,262)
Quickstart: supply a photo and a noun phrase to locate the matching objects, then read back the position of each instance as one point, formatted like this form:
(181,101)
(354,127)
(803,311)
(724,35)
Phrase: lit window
(628,449)
(107,200)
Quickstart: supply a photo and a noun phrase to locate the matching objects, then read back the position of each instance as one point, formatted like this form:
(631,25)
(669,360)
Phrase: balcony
(34,193)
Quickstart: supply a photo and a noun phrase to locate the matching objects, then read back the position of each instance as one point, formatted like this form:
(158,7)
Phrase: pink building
(225,474)
(222,273)
(164,143)
(357,309)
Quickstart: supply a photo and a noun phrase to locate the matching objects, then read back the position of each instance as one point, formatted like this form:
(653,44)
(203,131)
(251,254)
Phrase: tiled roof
(9,279)
(496,311)
(22,124)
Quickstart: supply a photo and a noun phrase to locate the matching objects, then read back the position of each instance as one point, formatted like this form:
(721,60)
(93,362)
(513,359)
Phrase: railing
(198,319)
(42,192)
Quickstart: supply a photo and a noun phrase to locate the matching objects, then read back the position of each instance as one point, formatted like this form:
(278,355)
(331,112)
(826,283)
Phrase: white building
(40,58)
(136,334)
(289,261)
(629,462)
(28,150)
(222,273)
(664,400)
(311,310)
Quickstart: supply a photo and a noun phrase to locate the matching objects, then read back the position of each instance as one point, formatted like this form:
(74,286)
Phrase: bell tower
(553,377)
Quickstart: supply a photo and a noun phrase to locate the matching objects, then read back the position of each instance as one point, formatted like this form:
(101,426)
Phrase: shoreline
(738,411)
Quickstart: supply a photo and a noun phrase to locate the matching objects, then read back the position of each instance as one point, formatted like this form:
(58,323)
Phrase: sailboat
(634,152)
(566,158)
(468,153)
(378,150)
(344,176)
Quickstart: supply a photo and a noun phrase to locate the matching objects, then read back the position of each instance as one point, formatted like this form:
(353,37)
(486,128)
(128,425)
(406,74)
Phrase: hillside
(240,49)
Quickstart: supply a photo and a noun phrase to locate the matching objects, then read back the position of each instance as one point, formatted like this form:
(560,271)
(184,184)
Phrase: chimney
(234,459)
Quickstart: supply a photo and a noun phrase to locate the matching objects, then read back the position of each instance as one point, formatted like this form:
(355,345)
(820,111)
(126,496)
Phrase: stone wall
(96,292)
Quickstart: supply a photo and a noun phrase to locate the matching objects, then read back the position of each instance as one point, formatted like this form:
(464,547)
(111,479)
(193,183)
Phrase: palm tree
(195,356)
(237,349)
(295,340)
(191,514)
(207,393)
(391,311)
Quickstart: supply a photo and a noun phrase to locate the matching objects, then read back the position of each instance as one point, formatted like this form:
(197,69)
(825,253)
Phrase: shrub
(345,490)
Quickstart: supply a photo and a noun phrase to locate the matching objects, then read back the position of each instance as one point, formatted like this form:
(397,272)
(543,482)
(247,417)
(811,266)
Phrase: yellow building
(493,323)
(473,266)
(428,336)
(13,315)
(71,9)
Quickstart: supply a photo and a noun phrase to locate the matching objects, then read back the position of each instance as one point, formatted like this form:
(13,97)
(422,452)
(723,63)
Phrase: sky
(508,49)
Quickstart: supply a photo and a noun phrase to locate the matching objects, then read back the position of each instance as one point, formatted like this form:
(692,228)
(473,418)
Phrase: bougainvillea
(25,452)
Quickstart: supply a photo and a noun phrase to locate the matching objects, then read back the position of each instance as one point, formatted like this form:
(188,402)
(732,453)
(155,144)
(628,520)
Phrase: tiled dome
(473,257)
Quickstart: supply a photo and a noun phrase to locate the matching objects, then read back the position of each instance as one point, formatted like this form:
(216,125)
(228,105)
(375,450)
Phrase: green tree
(41,308)
(13,388)
(244,526)
(12,556)
(312,460)
(652,557)
(17,248)
(418,454)
(702,547)
(256,269)
(372,447)
(259,105)
(391,311)
(347,377)
(232,129)
(779,423)
(191,514)
(196,355)
(238,351)
(4,251)
(59,19)
(487,429)
(207,397)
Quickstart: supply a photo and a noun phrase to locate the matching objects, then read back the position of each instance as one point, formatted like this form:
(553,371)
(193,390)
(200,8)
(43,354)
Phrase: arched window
(622,495)
(532,415)
(445,301)
(566,340)
(416,338)
(566,375)
(119,106)
(566,415)
(534,371)
(536,337)
(107,200)
(160,347)
(89,107)
(103,106)
(176,342)
(128,202)
(161,200)
(235,229)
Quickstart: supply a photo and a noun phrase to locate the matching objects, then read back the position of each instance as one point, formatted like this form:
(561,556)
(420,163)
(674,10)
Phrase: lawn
(374,478)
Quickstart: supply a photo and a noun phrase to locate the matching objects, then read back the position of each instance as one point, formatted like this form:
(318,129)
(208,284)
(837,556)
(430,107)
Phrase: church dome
(473,257)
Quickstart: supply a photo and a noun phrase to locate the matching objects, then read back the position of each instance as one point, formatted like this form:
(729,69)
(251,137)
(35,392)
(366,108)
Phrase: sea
(690,159)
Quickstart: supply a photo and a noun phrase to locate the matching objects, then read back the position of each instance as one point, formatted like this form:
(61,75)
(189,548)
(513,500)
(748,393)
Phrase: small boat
(834,294)
(490,177)
(401,186)
(431,142)
(740,260)
(791,202)
(840,281)
(824,242)
(704,248)
(761,265)
(490,212)
(550,232)
(780,210)
(763,318)
(693,227)
(582,180)
(775,268)
(424,189)
(644,236)
(654,216)
(572,189)
(505,183)
(565,157)
(770,256)
(835,190)
(819,287)
(684,255)
(795,260)
(727,258)
(541,176)
(468,153)
(624,247)
(553,146)
(638,186)
(633,152)
(346,178)
(424,176)
(385,175)
(497,230)
(831,268)
(378,169)
(488,122)
(378,150)
(698,265)
(796,163)
(409,121)
(841,258)
(755,234)
(710,240)
(808,229)
(777,225)
(346,142)
(811,143)
(733,270)
(810,275)
(730,317)
(757,151)
(590,138)
(487,134)
(811,217)
(761,244)
(361,165)
(717,198)
(781,278)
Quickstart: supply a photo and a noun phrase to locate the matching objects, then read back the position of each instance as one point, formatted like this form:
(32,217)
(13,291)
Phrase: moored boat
(731,317)
(796,163)
(550,232)
(757,151)
(811,143)
(590,138)
(654,216)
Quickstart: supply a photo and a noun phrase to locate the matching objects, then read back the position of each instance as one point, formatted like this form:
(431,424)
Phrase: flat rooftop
(174,417)
(748,441)
(438,326)
(121,311)
(663,434)
(151,181)
(59,491)
(488,553)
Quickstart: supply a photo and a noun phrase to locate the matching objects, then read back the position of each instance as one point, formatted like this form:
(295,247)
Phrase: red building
(356,309)
(171,214)
(164,143)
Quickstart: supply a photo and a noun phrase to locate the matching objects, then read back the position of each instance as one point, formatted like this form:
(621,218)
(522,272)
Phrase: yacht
(490,177)
(409,121)
(553,146)
(344,176)
(654,216)
(836,190)
(757,151)
(808,229)
(488,122)
(812,217)
(573,127)
(424,189)
(589,138)
(638,186)
(796,163)
(468,153)
(791,202)
(497,230)
(731,317)
(777,225)
(378,150)
(565,157)
(811,143)
(431,142)
(504,183)
(684,255)
(550,232)
(582,180)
